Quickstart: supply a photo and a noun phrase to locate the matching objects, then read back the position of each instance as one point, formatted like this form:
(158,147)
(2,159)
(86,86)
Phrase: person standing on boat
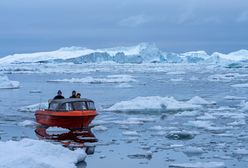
(78,95)
(59,95)
(73,94)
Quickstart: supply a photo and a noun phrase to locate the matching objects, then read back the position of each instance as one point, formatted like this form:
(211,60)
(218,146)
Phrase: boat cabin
(71,104)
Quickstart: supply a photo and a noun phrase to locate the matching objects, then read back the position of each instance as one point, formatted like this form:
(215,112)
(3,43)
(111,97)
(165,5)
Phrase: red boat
(68,113)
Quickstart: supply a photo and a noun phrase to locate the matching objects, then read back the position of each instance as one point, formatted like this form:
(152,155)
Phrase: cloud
(133,21)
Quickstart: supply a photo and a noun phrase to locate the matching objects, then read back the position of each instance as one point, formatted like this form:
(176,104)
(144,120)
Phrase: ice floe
(5,83)
(152,103)
(29,153)
(130,133)
(108,79)
(234,98)
(200,101)
(34,107)
(242,85)
(198,165)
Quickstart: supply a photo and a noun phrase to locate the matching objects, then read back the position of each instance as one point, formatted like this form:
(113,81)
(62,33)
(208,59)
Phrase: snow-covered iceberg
(29,153)
(141,53)
(152,103)
(5,83)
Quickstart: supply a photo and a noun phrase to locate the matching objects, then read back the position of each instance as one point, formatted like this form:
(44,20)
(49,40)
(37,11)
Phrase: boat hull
(69,120)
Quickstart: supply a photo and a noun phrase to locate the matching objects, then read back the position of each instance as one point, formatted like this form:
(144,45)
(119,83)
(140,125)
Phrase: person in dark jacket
(73,94)
(59,95)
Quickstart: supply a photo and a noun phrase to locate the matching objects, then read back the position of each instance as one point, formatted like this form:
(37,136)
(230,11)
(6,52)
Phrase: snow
(29,153)
(198,165)
(5,83)
(34,107)
(108,79)
(152,103)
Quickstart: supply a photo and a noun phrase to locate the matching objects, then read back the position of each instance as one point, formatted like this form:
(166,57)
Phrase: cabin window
(79,105)
(53,106)
(91,105)
(66,107)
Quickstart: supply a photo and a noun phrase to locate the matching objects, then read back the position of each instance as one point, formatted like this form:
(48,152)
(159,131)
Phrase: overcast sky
(174,25)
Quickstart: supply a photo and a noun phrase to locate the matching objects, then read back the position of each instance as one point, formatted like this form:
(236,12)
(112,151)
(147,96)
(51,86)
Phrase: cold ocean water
(177,116)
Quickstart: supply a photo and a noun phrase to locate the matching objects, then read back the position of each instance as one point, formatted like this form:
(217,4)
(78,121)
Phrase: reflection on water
(72,139)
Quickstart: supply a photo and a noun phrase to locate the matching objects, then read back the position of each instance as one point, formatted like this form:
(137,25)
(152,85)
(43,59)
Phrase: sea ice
(5,83)
(242,85)
(34,107)
(29,153)
(108,79)
(200,101)
(198,165)
(152,103)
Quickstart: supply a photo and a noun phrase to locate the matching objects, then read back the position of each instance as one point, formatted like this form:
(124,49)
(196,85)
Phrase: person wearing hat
(78,95)
(73,94)
(59,95)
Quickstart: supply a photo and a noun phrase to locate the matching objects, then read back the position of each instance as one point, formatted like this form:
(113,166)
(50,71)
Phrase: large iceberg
(141,53)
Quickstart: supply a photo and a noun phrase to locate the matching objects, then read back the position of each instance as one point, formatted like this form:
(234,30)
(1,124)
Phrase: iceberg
(5,83)
(141,53)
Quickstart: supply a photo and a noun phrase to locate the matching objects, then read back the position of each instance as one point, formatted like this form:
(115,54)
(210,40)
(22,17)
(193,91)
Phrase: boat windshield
(91,105)
(79,106)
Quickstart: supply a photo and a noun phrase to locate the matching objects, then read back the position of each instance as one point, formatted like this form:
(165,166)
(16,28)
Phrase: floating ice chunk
(34,107)
(237,123)
(176,73)
(176,79)
(130,133)
(27,123)
(193,150)
(206,116)
(51,130)
(242,85)
(29,153)
(199,165)
(200,101)
(128,122)
(226,77)
(124,85)
(234,98)
(108,79)
(187,114)
(157,128)
(240,152)
(5,83)
(100,128)
(200,124)
(244,105)
(153,103)
(193,78)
